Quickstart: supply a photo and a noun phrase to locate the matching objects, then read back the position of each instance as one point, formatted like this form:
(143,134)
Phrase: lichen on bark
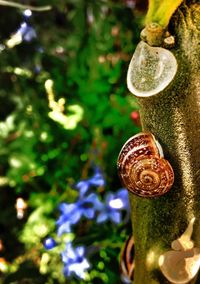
(173,116)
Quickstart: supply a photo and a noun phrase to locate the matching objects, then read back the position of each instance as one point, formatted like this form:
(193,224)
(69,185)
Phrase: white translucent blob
(151,70)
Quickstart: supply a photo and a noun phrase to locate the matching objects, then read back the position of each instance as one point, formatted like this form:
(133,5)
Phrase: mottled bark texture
(173,116)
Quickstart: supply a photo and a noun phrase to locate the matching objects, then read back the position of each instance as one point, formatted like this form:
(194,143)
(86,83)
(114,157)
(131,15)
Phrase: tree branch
(173,116)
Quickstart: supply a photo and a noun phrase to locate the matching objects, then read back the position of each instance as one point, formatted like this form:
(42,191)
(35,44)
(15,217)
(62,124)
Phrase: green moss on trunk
(173,116)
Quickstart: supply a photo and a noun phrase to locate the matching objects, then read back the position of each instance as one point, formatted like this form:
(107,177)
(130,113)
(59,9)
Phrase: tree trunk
(173,116)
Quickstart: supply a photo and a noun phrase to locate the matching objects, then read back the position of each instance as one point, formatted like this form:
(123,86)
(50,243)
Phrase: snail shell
(142,168)
(127,260)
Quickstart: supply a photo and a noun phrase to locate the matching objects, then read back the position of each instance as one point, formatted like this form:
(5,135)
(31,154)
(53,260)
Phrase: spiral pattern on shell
(142,168)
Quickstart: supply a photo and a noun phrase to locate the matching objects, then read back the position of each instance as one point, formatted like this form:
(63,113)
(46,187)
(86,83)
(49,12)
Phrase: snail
(151,70)
(127,263)
(181,264)
(142,168)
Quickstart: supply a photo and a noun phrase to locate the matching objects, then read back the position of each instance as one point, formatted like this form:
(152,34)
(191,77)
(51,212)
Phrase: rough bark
(173,116)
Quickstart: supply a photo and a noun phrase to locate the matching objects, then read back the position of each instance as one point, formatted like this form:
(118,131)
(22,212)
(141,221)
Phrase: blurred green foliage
(83,48)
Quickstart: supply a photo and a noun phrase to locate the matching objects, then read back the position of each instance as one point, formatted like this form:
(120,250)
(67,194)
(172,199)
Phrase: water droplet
(151,70)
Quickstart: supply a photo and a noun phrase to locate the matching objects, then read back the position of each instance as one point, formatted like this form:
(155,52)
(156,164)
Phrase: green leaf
(161,11)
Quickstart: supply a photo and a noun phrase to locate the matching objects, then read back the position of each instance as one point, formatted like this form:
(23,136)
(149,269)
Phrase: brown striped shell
(142,168)
(127,260)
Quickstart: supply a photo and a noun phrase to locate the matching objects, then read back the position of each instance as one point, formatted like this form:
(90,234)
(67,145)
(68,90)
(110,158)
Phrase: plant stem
(22,6)
(173,116)
(160,11)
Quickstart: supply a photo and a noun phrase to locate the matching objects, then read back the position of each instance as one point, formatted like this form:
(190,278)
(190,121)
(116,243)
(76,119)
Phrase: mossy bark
(173,116)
